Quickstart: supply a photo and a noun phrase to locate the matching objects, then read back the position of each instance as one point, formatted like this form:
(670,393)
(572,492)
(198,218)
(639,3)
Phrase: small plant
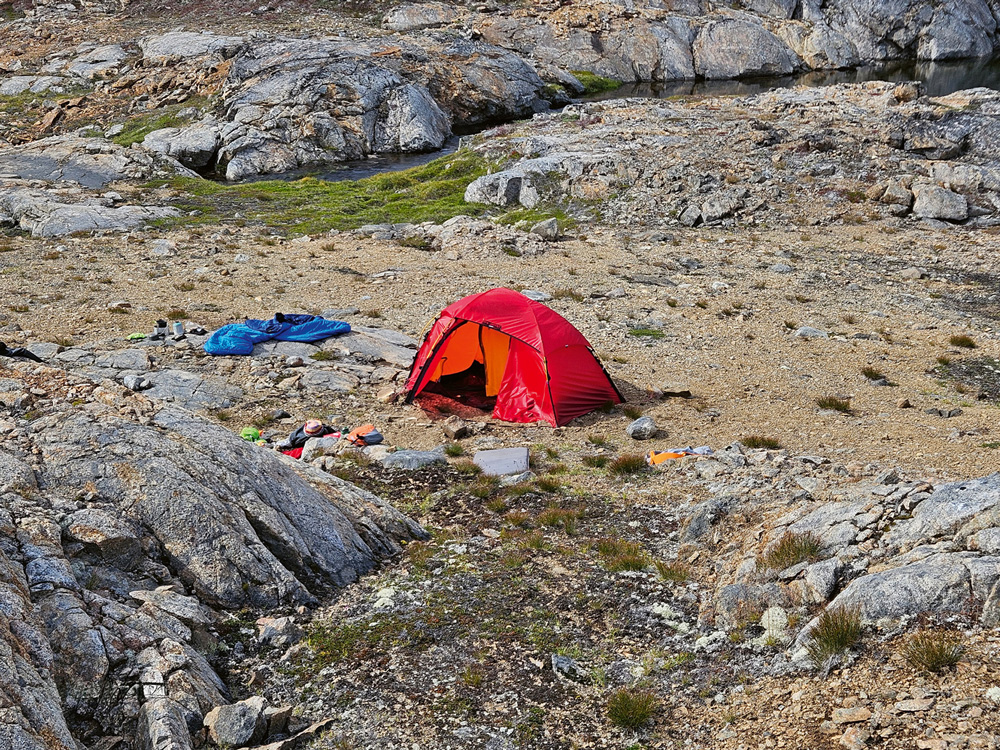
(472,676)
(630,708)
(597,440)
(652,333)
(595,462)
(373,313)
(835,632)
(756,442)
(556,517)
(632,412)
(849,319)
(872,373)
(672,571)
(933,650)
(791,325)
(548,484)
(701,304)
(792,549)
(834,403)
(186,286)
(627,465)
(419,553)
(944,361)
(496,504)
(177,314)
(465,466)
(322,356)
(518,518)
(534,540)
(963,341)
(567,293)
(453,449)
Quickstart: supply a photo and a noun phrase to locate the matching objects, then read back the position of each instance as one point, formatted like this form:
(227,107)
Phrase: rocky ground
(805,280)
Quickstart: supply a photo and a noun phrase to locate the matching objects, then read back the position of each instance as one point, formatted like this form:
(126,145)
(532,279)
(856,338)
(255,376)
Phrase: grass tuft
(672,571)
(630,708)
(836,631)
(872,373)
(756,442)
(792,549)
(627,465)
(834,403)
(595,462)
(933,650)
(454,450)
(963,342)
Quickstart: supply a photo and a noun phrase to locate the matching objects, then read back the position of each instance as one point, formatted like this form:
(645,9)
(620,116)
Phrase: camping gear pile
(523,358)
(366,434)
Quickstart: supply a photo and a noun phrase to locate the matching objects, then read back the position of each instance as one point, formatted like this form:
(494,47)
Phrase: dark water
(939,78)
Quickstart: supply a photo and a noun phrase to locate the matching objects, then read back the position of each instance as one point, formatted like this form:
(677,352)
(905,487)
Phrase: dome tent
(535,363)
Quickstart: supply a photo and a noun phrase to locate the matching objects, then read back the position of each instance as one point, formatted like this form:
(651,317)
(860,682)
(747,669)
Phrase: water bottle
(178,328)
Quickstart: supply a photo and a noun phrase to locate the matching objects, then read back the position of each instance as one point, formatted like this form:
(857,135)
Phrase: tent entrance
(470,365)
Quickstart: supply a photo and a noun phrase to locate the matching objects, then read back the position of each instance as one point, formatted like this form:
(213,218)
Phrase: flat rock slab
(411,460)
(502,461)
(284,349)
(191,391)
(375,347)
(328,380)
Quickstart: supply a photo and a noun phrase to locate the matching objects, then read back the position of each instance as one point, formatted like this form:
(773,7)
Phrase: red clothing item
(294,453)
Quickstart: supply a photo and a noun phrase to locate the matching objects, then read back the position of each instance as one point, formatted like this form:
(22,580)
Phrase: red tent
(537,365)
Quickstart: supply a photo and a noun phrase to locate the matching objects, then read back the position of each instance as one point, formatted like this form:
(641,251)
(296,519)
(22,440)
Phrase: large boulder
(292,103)
(734,48)
(193,146)
(183,45)
(935,202)
(413,16)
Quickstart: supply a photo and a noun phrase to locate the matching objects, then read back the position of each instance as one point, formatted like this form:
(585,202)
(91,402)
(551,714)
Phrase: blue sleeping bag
(239,338)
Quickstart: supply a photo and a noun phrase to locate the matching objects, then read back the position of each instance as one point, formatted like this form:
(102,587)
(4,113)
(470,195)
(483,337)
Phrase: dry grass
(834,403)
(933,650)
(792,549)
(836,631)
(631,708)
(627,465)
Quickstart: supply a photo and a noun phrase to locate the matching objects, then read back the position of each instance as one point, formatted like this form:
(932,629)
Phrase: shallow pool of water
(939,78)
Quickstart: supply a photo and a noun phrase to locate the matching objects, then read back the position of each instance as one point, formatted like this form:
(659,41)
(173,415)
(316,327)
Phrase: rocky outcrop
(658,42)
(125,528)
(294,103)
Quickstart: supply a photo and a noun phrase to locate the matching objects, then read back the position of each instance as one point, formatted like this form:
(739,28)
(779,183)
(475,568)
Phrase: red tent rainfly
(537,365)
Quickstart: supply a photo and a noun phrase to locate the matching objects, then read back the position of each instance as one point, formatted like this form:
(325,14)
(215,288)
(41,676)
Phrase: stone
(321,446)
(690,216)
(643,428)
(934,202)
(993,694)
(328,380)
(410,460)
(567,668)
(537,296)
(855,738)
(137,382)
(955,509)
(807,332)
(279,632)
(97,63)
(674,390)
(183,45)
(412,17)
(294,361)
(163,248)
(913,273)
(239,724)
(896,194)
(914,706)
(502,461)
(194,146)
(191,391)
(851,715)
(547,229)
(455,428)
(821,579)
(775,624)
(780,268)
(184,608)
(733,48)
(162,725)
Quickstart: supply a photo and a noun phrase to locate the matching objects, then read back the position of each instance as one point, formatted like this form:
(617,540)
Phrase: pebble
(643,428)
(851,715)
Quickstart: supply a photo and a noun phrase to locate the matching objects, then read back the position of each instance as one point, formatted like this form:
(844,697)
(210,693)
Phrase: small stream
(940,79)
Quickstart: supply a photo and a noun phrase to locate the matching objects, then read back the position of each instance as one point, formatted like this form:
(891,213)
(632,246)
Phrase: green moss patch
(595,84)
(432,192)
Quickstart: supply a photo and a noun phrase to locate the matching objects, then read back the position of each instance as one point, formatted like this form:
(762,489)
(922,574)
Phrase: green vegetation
(836,631)
(672,571)
(628,464)
(963,341)
(619,555)
(432,192)
(595,84)
(834,403)
(632,412)
(792,549)
(595,462)
(653,333)
(567,293)
(452,449)
(630,708)
(872,373)
(756,442)
(139,127)
(933,651)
